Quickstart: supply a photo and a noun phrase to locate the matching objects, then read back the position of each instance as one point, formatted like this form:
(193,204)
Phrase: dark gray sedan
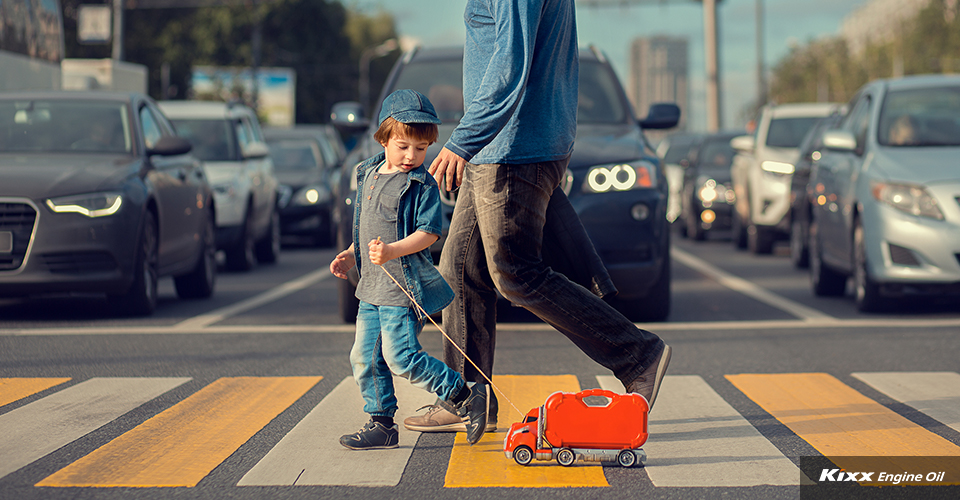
(100,196)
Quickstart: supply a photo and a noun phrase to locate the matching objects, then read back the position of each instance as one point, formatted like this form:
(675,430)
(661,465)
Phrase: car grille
(902,256)
(18,219)
(79,262)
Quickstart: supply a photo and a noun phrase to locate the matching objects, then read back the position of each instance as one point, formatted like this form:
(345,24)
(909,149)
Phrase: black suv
(614,180)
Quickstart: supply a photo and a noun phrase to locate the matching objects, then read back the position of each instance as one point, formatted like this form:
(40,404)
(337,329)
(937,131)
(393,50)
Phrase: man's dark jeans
(494,244)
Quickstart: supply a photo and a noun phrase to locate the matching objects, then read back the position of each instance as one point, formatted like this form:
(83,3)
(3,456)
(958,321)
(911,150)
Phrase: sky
(612,28)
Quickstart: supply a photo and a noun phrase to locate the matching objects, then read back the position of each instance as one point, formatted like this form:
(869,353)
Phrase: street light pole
(366,56)
(710,50)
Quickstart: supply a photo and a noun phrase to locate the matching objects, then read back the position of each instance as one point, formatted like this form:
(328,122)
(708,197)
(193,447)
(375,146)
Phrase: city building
(658,72)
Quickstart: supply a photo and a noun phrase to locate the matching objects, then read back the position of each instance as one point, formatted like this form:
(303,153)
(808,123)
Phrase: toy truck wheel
(523,455)
(626,458)
(566,457)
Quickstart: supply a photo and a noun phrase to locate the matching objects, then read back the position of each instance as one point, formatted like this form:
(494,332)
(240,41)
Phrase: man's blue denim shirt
(521,105)
(419,210)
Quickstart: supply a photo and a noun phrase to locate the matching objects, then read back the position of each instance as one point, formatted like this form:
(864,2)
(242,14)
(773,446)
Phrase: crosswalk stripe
(841,423)
(15,389)
(698,440)
(310,454)
(43,426)
(181,445)
(484,464)
(935,394)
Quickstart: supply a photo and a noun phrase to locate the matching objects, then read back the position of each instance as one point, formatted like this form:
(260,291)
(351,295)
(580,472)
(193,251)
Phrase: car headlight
(620,177)
(709,191)
(91,205)
(777,167)
(909,198)
(311,195)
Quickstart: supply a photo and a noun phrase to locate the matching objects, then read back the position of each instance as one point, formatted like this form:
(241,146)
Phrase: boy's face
(404,153)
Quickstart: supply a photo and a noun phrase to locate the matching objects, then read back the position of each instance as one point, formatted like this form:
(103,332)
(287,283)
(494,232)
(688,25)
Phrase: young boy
(397,217)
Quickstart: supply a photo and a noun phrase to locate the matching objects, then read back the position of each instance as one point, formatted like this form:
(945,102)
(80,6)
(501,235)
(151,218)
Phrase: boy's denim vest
(418,210)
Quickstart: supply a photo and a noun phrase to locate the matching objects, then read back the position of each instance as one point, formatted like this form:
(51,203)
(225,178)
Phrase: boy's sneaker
(442,417)
(474,410)
(373,436)
(648,383)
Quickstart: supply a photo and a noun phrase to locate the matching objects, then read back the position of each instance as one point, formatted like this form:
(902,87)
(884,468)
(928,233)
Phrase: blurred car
(227,138)
(887,189)
(673,151)
(304,159)
(614,180)
(762,170)
(100,196)
(801,199)
(707,197)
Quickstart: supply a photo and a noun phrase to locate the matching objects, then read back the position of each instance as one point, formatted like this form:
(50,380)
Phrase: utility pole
(761,57)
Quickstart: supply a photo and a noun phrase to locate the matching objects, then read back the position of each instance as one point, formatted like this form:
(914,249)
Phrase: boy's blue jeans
(386,343)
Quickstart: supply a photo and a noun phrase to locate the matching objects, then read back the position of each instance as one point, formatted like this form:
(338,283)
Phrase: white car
(762,171)
(236,160)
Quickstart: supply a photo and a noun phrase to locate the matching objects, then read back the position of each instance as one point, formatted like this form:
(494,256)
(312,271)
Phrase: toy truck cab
(565,428)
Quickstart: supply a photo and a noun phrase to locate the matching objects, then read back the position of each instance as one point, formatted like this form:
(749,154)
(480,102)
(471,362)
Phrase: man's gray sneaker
(474,411)
(373,436)
(648,383)
(442,417)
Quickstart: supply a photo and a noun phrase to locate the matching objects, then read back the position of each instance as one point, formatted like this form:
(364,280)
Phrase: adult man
(520,86)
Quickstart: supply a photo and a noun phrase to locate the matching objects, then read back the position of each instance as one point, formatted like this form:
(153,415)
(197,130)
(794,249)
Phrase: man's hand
(448,167)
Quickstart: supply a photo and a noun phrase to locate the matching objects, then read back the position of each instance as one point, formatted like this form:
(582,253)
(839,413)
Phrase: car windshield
(716,155)
(76,126)
(211,139)
(292,156)
(789,132)
(442,82)
(921,117)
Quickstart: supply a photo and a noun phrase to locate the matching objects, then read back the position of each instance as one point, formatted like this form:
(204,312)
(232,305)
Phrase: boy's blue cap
(408,106)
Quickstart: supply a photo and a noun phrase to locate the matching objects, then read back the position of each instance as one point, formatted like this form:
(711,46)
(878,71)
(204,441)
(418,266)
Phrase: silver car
(886,194)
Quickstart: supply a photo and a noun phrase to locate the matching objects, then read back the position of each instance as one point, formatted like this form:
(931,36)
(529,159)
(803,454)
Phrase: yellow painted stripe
(485,465)
(839,421)
(13,389)
(181,445)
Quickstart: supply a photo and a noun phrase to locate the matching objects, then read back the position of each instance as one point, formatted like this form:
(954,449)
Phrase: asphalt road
(243,395)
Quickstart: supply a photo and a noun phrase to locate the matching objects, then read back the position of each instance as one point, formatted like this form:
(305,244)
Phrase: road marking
(181,445)
(749,289)
(47,424)
(841,423)
(698,440)
(935,394)
(310,454)
(485,465)
(271,295)
(15,389)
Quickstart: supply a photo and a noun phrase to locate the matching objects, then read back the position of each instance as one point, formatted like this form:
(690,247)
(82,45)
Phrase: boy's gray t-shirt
(378,218)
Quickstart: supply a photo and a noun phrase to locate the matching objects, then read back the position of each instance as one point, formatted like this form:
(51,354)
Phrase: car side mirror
(840,140)
(743,143)
(661,115)
(170,145)
(255,150)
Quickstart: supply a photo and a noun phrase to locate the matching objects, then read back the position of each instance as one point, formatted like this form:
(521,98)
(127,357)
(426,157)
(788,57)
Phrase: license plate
(6,242)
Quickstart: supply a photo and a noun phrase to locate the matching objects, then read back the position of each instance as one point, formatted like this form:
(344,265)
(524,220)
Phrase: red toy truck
(568,429)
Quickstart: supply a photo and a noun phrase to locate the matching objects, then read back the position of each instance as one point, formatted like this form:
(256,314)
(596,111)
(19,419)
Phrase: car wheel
(141,298)
(200,282)
(626,458)
(268,249)
(867,292)
(759,239)
(738,231)
(824,281)
(523,455)
(242,257)
(799,251)
(655,306)
(347,301)
(566,457)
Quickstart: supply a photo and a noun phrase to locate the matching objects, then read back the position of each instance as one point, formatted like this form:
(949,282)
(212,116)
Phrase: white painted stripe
(311,454)
(698,440)
(36,429)
(935,394)
(775,327)
(271,295)
(749,289)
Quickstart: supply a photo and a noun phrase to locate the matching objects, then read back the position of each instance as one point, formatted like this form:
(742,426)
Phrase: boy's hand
(343,262)
(380,252)
(448,167)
